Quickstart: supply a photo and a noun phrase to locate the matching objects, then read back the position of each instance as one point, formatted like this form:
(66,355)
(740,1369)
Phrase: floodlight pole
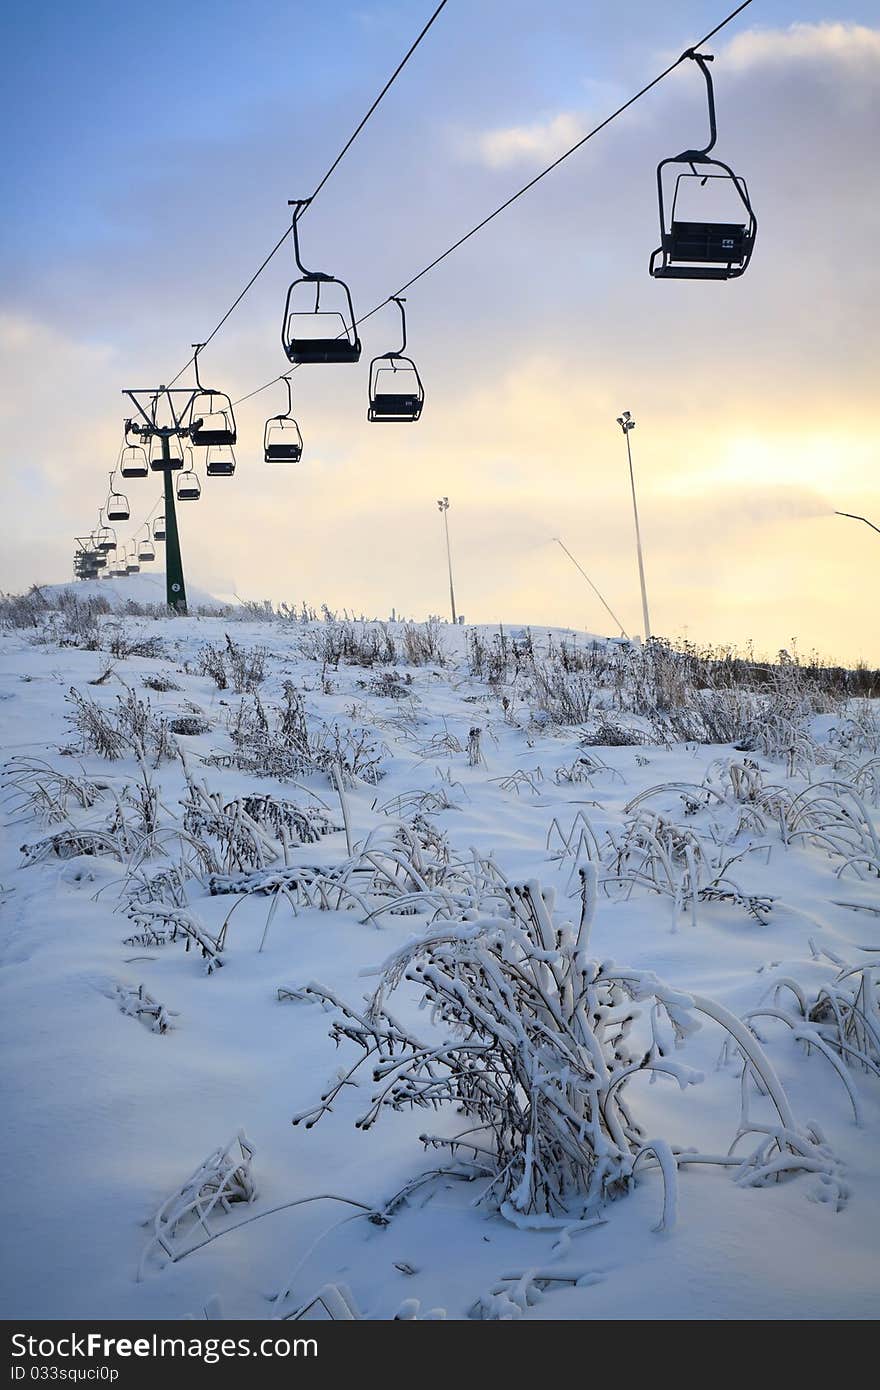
(627,424)
(443,505)
(175,588)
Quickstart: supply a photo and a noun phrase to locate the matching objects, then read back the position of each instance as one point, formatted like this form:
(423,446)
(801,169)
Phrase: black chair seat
(303,351)
(220,470)
(692,272)
(165,465)
(140,472)
(282,453)
(188,494)
(118,516)
(206,437)
(721,242)
(393,407)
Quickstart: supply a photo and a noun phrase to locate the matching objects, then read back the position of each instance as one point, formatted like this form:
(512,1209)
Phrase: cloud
(754,400)
(539,142)
(849,45)
(842,46)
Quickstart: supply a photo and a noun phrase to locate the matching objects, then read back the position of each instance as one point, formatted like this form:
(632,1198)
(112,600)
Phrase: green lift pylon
(148,428)
(175,587)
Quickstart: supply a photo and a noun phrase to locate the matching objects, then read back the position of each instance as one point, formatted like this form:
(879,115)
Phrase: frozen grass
(498,817)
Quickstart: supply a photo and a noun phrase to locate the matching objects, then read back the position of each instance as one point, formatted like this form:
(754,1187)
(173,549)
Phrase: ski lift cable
(337,161)
(528,186)
(605,605)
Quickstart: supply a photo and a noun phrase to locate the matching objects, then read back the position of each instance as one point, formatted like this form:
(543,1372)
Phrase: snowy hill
(142,588)
(582,868)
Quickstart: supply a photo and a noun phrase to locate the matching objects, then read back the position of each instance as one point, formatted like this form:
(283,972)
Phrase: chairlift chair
(133,461)
(97,558)
(159,528)
(131,563)
(159,463)
(219,461)
(312,334)
(210,413)
(702,250)
(85,561)
(189,489)
(282,440)
(146,551)
(396,391)
(105,539)
(117,508)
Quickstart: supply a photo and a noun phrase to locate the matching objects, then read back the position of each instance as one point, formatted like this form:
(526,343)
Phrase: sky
(154,153)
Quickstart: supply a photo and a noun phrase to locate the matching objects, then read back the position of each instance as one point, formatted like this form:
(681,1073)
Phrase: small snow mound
(137,588)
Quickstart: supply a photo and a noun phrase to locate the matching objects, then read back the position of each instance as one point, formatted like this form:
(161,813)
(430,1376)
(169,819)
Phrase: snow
(145,588)
(108,1120)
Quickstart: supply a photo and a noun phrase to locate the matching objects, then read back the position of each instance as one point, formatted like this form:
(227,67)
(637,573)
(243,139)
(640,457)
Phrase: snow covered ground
(105,1118)
(145,588)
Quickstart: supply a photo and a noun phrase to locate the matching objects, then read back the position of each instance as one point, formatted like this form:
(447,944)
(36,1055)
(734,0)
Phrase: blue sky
(153,157)
(136,123)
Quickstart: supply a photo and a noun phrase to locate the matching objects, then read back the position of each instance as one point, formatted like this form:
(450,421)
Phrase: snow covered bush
(234,667)
(841,1020)
(225,1179)
(122,645)
(539,1043)
(130,726)
(355,644)
(281,743)
(423,643)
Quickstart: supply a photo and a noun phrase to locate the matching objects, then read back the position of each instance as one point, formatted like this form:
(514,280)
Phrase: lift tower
(163,415)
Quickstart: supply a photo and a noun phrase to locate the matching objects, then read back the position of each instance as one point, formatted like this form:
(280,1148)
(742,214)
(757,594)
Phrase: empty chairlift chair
(133,461)
(396,391)
(117,508)
(282,441)
(131,563)
(188,489)
(210,413)
(699,248)
(310,332)
(106,539)
(219,461)
(159,531)
(146,551)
